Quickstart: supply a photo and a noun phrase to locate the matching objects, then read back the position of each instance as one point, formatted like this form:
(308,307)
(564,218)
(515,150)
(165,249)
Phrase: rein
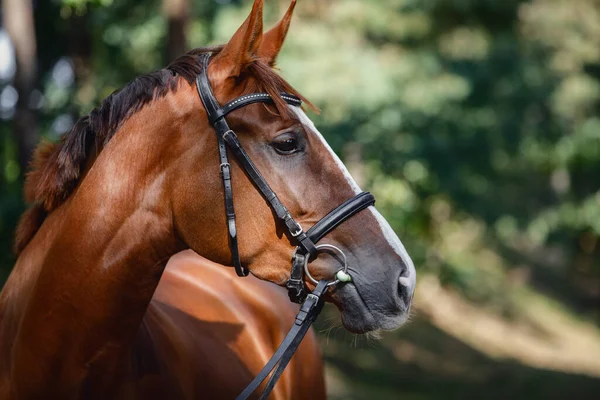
(306,242)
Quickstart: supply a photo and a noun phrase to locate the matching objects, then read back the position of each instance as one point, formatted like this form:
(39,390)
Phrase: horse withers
(139,179)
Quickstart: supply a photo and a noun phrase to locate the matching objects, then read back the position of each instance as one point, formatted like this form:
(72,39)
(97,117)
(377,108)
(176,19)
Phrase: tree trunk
(176,12)
(80,46)
(18,21)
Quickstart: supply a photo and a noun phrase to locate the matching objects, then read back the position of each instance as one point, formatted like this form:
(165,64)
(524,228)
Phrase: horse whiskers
(373,335)
(354,341)
(327,331)
(369,336)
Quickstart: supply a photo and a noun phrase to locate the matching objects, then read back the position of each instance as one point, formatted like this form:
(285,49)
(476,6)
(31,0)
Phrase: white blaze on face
(408,281)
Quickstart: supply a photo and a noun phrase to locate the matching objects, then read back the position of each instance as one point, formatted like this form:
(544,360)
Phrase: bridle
(307,248)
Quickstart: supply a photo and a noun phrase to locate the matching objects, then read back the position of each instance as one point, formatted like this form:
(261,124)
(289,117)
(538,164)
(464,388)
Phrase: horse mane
(56,168)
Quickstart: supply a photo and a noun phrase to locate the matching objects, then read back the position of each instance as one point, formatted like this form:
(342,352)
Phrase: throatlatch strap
(306,316)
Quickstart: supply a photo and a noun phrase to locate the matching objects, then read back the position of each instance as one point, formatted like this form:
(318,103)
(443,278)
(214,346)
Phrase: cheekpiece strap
(214,112)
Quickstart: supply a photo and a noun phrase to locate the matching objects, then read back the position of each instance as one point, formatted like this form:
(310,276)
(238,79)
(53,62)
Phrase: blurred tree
(176,13)
(18,22)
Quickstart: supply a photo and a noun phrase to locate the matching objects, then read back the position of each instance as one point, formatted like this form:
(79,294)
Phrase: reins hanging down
(309,311)
(306,242)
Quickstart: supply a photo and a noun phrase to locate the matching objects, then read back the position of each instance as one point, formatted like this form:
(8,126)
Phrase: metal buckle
(312,296)
(323,248)
(296,293)
(298,232)
(225,171)
(229,132)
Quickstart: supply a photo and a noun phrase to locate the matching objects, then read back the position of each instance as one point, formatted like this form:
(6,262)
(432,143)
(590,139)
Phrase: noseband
(306,242)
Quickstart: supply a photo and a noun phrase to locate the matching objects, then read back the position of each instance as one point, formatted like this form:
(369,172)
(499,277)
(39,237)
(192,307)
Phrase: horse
(137,181)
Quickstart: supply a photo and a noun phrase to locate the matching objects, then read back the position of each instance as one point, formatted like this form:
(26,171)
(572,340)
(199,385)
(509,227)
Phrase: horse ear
(274,38)
(243,47)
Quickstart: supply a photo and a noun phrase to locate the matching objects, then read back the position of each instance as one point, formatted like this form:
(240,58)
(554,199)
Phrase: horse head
(300,168)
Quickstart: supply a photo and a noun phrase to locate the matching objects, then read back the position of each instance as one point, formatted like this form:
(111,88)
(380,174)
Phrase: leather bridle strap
(295,285)
(213,110)
(294,228)
(306,316)
(340,214)
(258,98)
(216,115)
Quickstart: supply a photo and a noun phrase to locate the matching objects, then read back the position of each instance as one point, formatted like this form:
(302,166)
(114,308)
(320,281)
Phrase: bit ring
(323,248)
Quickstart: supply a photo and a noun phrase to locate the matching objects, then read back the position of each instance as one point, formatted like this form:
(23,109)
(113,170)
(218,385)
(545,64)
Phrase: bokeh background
(475,123)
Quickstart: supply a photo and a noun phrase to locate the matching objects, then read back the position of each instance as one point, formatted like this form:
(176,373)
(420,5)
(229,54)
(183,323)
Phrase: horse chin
(357,317)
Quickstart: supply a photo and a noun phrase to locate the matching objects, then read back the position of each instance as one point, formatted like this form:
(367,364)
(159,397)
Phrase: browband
(258,98)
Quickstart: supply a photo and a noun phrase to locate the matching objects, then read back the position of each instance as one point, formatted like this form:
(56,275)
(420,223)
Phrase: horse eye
(286,146)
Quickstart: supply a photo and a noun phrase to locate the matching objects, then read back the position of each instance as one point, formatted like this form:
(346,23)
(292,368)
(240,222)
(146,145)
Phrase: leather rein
(306,242)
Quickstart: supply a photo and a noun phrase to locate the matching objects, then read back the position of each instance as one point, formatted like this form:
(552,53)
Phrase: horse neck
(81,287)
